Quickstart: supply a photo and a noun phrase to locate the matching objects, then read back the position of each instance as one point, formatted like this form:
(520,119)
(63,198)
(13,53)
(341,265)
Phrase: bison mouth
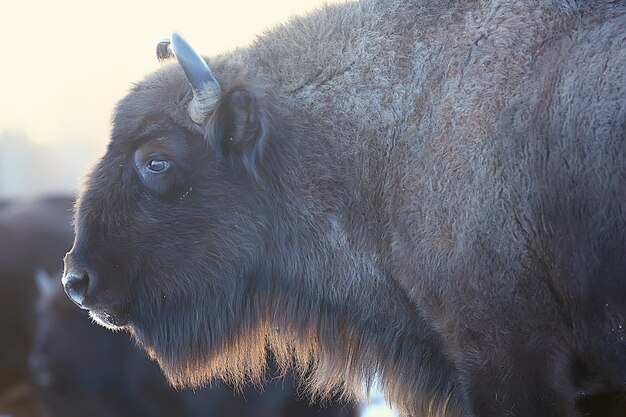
(113,319)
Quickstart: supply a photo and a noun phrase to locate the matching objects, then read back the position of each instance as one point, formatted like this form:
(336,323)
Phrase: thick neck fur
(325,285)
(342,336)
(314,299)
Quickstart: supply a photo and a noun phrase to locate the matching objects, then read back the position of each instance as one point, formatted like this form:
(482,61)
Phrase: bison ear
(45,283)
(240,128)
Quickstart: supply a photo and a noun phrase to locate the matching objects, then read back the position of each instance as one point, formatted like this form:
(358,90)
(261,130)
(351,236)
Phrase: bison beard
(430,194)
(319,340)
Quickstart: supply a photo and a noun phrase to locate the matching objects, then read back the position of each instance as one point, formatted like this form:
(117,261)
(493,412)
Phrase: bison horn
(164,50)
(206,90)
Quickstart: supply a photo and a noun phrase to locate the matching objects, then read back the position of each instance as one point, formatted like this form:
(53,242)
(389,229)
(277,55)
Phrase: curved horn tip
(164,50)
(180,44)
(177,38)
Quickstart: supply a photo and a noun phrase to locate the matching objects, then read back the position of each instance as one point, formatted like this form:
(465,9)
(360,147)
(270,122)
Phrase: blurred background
(65,63)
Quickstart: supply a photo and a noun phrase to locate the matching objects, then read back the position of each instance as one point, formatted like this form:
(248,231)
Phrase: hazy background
(65,63)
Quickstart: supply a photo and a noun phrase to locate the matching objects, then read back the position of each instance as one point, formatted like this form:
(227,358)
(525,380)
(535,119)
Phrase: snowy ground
(377,406)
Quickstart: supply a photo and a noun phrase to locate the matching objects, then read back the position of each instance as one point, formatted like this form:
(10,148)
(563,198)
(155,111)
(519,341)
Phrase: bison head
(215,227)
(173,225)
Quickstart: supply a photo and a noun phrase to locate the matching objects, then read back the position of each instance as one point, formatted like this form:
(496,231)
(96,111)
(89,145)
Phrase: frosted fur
(431,191)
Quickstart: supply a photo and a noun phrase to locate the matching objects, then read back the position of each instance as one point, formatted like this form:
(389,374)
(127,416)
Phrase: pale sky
(65,63)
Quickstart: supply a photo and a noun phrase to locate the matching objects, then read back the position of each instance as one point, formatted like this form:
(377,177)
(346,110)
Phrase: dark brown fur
(433,192)
(83,370)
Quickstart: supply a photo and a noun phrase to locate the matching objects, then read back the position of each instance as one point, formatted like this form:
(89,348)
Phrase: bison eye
(158,165)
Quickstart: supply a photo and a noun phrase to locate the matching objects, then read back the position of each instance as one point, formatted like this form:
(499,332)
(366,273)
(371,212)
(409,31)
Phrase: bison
(432,192)
(34,233)
(83,370)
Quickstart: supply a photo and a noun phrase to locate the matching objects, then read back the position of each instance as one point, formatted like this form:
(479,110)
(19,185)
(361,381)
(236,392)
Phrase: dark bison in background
(83,370)
(432,192)
(79,371)
(34,233)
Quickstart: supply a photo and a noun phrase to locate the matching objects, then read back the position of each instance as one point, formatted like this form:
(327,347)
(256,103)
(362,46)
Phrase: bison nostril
(75,285)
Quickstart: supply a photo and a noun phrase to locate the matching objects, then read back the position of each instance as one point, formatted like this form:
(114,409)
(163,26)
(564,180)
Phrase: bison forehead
(162,95)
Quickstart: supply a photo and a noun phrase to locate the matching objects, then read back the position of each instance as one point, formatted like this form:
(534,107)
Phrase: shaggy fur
(83,370)
(429,191)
